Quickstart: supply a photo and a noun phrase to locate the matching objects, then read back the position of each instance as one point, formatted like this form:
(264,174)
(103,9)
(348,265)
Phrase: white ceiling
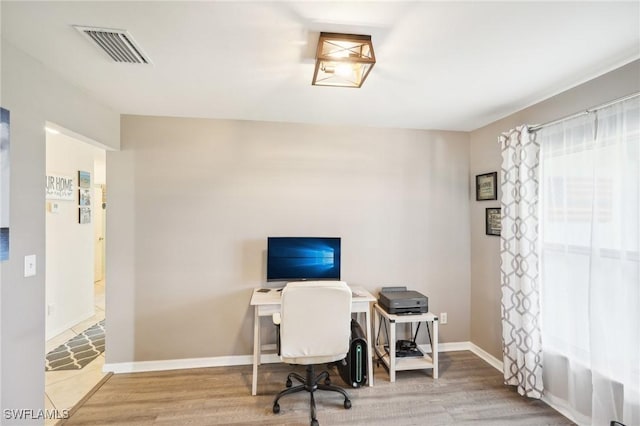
(441,65)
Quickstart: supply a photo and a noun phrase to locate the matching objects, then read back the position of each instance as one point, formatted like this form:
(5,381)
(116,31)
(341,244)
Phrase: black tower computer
(353,369)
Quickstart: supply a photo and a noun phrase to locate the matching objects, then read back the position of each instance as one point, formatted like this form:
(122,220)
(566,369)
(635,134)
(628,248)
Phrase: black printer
(399,300)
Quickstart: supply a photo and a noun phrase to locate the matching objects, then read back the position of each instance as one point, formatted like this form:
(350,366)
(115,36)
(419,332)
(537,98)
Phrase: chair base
(311,383)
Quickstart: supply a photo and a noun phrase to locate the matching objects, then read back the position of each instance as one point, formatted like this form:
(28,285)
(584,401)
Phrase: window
(590,269)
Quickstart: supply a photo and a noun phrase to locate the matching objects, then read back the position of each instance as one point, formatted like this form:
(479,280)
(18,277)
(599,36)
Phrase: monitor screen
(303,258)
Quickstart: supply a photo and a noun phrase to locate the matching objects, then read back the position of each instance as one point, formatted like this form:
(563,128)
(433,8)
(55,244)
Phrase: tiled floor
(63,389)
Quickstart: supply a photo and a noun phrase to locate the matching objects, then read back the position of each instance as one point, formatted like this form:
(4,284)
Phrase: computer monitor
(303,258)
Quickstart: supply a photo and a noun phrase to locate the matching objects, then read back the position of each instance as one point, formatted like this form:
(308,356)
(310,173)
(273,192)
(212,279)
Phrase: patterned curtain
(522,351)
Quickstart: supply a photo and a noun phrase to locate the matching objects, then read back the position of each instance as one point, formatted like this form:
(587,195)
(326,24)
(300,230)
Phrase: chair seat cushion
(312,360)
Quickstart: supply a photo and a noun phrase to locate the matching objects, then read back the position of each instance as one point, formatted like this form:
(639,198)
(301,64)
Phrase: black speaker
(353,369)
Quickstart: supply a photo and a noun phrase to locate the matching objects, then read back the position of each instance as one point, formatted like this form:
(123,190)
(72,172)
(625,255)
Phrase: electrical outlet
(443,318)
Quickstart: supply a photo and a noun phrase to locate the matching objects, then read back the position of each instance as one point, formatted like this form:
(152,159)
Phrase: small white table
(265,304)
(390,359)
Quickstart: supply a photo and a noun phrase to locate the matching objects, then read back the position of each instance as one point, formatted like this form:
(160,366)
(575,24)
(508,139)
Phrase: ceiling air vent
(118,44)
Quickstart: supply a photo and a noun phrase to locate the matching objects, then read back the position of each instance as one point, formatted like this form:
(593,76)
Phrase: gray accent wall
(34,95)
(486,327)
(191,203)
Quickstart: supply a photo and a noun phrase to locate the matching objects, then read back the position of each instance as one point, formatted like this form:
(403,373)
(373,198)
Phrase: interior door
(99,230)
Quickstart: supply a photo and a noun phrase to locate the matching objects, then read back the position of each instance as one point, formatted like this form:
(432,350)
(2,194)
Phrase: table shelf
(429,359)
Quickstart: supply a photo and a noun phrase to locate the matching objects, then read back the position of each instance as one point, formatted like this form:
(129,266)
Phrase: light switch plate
(54,207)
(30,265)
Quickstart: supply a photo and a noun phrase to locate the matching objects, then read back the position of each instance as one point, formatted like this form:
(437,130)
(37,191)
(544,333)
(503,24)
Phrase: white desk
(389,357)
(267,303)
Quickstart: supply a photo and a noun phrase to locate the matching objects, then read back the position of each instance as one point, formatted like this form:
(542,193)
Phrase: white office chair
(314,328)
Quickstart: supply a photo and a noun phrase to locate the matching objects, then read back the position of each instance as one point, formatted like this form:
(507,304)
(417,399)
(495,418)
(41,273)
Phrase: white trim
(55,127)
(486,356)
(226,361)
(70,324)
(547,399)
(453,346)
(556,404)
(181,364)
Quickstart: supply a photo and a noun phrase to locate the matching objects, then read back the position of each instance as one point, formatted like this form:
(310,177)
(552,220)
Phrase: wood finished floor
(468,392)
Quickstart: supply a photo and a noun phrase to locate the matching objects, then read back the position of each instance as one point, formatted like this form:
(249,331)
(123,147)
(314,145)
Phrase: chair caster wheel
(289,384)
(314,422)
(347,404)
(276,408)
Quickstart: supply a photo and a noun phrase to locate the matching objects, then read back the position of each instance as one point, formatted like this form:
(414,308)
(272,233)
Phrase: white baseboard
(72,323)
(475,349)
(453,346)
(497,364)
(562,409)
(226,361)
(486,356)
(185,363)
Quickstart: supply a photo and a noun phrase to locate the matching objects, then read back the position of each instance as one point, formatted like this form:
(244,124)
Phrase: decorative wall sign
(493,221)
(60,188)
(84,215)
(84,179)
(4,184)
(487,186)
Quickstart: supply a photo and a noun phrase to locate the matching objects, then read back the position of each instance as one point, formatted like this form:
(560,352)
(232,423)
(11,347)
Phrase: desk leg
(376,326)
(392,351)
(256,350)
(434,349)
(367,319)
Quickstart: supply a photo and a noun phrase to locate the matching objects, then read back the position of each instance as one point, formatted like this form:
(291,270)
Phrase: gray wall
(33,95)
(192,201)
(486,328)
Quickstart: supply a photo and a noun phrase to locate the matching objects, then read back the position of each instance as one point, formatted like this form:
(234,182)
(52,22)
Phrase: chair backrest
(316,318)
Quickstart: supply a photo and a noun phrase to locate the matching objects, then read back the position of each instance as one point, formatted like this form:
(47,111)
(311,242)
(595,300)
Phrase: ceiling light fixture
(343,60)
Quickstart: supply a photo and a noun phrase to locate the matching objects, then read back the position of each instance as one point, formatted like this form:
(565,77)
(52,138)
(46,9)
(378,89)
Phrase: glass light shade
(343,60)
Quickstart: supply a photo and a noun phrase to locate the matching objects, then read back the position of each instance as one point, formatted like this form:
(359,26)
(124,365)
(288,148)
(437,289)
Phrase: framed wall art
(493,222)
(84,179)
(84,215)
(84,197)
(487,186)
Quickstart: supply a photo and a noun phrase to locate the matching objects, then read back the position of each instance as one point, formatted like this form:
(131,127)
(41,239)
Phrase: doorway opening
(74,273)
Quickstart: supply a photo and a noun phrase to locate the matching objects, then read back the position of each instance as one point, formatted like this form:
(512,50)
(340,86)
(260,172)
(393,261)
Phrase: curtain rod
(581,113)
